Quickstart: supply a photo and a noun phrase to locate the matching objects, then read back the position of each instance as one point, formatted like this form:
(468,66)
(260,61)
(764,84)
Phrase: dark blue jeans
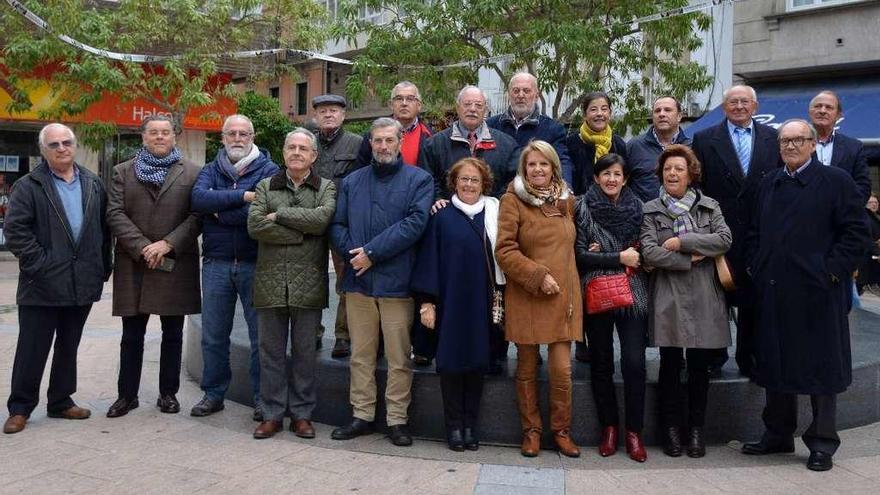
(223,282)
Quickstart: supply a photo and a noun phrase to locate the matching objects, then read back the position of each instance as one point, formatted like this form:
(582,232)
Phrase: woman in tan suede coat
(535,249)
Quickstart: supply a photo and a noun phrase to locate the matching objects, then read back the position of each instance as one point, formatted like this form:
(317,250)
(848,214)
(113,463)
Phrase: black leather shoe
(421,360)
(672,442)
(765,447)
(121,407)
(356,428)
(696,445)
(819,461)
(455,440)
(206,407)
(168,404)
(470,439)
(400,436)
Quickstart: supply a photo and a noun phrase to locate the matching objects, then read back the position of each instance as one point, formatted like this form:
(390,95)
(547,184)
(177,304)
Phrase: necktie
(743,147)
(472,140)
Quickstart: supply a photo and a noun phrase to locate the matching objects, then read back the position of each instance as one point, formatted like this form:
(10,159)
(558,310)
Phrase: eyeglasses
(67,143)
(242,134)
(797,142)
(739,101)
(473,104)
(407,99)
(470,180)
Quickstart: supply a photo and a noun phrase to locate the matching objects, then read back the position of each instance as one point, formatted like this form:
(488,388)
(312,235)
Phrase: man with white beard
(223,194)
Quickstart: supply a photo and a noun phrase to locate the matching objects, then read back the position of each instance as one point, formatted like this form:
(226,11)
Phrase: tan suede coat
(534,240)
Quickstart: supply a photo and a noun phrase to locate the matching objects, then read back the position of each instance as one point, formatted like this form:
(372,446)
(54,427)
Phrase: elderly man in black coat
(806,236)
(736,154)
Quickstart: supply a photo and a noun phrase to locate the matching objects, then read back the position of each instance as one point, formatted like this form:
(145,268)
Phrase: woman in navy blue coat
(454,279)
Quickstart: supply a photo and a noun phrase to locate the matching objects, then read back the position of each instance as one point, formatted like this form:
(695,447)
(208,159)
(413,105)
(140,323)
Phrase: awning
(860,99)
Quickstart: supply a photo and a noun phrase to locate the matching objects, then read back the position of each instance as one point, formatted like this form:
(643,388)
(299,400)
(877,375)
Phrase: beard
(384,158)
(236,154)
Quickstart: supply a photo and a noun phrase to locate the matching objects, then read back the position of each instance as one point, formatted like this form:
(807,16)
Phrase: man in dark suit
(806,237)
(736,154)
(835,149)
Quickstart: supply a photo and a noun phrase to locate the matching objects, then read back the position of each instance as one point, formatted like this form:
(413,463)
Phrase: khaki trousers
(367,317)
(559,366)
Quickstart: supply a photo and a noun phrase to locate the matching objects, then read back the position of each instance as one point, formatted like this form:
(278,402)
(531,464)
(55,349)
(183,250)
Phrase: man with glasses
(835,149)
(469,136)
(406,105)
(806,237)
(55,226)
(337,157)
(524,122)
(223,193)
(736,154)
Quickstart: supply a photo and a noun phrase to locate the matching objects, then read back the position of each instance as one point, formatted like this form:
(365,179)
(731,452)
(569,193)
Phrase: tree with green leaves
(196,33)
(573,47)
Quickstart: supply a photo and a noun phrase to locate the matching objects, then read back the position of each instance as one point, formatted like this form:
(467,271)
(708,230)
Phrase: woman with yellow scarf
(593,140)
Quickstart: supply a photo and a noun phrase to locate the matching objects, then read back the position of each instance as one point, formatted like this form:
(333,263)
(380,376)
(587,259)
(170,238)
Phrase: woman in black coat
(593,140)
(869,269)
(454,278)
(608,220)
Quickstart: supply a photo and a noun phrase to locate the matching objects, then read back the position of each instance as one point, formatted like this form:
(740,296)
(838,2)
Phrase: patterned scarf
(680,209)
(152,170)
(601,140)
(548,194)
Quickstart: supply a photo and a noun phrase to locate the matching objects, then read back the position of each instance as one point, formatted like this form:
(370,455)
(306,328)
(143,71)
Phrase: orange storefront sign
(111,108)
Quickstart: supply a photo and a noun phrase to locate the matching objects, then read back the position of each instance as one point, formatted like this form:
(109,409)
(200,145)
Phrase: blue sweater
(539,127)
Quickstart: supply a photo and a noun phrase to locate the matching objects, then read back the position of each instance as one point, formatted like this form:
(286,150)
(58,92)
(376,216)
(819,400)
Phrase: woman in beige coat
(682,231)
(535,249)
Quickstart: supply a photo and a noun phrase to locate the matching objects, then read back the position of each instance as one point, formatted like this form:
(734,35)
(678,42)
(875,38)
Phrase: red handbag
(608,292)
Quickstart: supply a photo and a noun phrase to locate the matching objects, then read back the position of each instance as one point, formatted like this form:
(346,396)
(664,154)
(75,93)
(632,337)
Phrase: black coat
(849,154)
(806,238)
(723,180)
(583,157)
(56,269)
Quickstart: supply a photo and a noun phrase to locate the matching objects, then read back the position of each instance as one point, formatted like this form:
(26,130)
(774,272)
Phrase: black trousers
(672,391)
(632,332)
(461,399)
(745,339)
(37,327)
(131,355)
(780,418)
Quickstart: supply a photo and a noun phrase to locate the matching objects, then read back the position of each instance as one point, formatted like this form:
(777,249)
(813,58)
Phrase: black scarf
(623,220)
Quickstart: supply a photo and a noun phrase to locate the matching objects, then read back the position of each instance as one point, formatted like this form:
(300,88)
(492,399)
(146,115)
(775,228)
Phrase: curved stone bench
(734,411)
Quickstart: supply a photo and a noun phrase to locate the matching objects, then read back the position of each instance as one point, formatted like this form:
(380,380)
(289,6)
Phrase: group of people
(492,231)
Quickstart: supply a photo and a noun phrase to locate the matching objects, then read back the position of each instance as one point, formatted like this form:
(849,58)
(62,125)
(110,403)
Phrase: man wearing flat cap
(337,157)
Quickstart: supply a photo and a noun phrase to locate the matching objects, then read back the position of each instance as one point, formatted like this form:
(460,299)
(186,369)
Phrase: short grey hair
(404,85)
(41,137)
(237,116)
(750,89)
(467,88)
(519,75)
(801,121)
(383,122)
(157,117)
(305,132)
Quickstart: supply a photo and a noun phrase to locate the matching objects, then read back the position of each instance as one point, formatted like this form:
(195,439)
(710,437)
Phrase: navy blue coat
(642,153)
(583,157)
(439,153)
(539,127)
(849,155)
(453,271)
(221,198)
(383,209)
(723,180)
(806,237)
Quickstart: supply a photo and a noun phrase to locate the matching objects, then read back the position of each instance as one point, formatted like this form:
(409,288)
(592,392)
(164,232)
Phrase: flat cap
(328,100)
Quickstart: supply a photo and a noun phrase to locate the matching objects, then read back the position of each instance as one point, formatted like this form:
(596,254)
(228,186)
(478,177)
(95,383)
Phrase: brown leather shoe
(74,412)
(531,444)
(565,444)
(302,428)
(14,423)
(268,429)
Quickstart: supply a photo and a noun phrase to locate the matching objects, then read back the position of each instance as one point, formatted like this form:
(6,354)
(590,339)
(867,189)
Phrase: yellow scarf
(601,140)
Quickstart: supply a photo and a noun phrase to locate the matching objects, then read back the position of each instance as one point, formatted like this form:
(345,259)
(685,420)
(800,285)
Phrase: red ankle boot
(634,447)
(608,443)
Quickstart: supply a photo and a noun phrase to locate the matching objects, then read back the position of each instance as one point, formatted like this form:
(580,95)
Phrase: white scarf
(242,164)
(490,221)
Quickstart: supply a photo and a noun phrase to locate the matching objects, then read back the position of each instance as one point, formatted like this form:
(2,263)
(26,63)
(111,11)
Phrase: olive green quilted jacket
(292,254)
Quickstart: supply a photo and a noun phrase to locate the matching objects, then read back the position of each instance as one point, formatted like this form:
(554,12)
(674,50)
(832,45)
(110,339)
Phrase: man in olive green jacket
(288,218)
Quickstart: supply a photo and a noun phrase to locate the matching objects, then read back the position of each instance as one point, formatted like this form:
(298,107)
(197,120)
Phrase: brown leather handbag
(725,274)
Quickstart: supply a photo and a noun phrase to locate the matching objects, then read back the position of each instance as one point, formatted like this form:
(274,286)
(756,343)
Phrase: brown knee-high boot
(527,398)
(560,397)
